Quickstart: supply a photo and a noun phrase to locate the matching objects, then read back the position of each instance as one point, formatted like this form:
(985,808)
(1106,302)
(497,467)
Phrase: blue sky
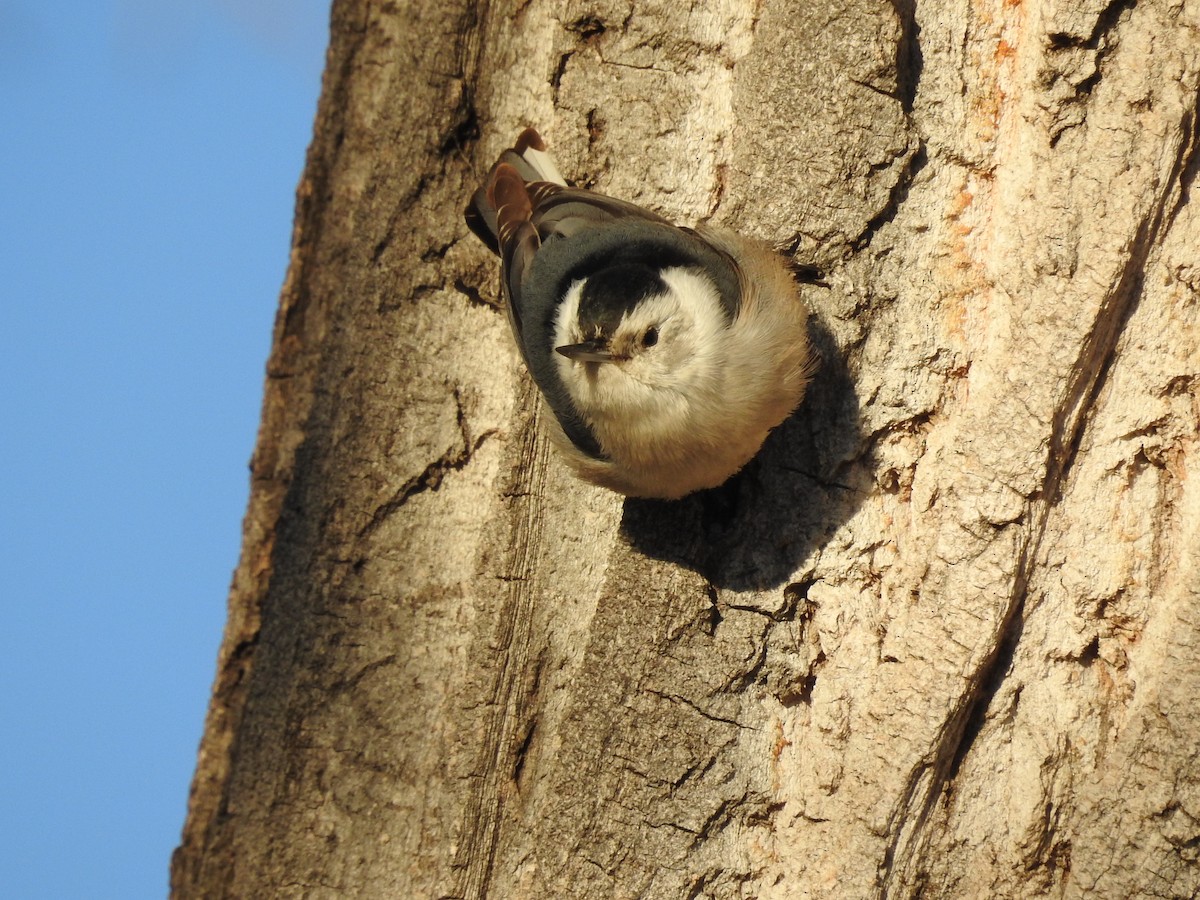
(148,162)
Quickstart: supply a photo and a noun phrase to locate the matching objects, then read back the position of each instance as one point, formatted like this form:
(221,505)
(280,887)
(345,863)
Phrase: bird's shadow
(755,531)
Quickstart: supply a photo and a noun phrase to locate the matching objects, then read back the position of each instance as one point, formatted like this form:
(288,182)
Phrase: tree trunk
(941,639)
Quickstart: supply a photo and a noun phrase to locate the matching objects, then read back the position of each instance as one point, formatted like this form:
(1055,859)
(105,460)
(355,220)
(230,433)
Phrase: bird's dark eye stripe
(650,337)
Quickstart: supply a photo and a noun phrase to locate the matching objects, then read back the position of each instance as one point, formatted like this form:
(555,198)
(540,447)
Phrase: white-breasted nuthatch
(664,354)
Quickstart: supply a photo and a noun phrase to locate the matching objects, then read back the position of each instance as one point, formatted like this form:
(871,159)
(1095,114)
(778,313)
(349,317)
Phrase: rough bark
(942,639)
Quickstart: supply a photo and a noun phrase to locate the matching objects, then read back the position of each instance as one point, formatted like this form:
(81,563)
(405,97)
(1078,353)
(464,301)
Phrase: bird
(664,354)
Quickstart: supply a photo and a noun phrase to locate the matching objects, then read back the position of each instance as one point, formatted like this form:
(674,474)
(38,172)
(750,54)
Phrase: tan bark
(942,639)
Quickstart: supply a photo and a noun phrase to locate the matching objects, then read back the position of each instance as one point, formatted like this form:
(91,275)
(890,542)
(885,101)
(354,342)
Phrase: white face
(666,350)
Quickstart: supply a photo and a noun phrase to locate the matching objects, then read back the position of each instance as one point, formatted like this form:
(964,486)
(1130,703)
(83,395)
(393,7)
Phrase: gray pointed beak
(595,350)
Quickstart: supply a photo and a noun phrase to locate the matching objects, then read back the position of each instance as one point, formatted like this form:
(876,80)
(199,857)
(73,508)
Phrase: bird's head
(634,337)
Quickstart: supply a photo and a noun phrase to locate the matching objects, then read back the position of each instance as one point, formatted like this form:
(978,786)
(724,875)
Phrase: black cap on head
(613,291)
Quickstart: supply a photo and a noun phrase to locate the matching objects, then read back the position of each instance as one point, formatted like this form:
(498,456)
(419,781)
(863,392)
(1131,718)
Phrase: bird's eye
(649,337)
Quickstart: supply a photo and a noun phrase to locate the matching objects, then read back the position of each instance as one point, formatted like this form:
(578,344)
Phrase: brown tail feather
(539,191)
(529,138)
(507,195)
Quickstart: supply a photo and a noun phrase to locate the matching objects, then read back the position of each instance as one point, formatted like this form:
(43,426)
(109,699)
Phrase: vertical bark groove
(510,708)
